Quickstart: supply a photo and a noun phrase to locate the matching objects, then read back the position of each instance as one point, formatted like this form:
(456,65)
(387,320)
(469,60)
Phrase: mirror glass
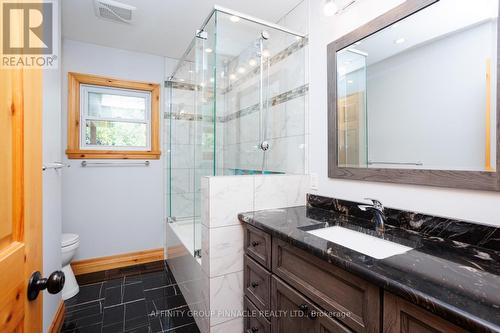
(421,93)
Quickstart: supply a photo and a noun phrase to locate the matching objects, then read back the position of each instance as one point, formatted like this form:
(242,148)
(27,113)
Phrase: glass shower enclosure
(237,103)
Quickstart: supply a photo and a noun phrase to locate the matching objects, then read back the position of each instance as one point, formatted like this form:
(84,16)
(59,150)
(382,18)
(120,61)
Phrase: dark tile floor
(142,298)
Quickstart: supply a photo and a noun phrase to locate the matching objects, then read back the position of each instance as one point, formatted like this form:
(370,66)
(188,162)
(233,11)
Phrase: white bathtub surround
(222,237)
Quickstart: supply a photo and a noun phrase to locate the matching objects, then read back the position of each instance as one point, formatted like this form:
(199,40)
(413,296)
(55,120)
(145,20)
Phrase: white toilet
(69,245)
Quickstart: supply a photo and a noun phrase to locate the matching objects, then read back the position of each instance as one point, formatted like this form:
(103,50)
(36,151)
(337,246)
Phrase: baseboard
(176,251)
(57,322)
(116,261)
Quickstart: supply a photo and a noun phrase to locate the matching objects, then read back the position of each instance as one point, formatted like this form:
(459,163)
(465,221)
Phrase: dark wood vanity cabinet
(295,313)
(289,290)
(402,316)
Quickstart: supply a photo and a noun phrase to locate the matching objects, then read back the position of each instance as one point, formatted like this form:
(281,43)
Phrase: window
(112,118)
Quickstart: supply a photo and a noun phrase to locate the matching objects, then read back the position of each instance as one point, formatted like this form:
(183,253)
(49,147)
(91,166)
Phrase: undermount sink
(363,243)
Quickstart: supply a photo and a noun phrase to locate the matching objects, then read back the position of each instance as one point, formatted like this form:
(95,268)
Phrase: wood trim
(475,180)
(73,150)
(116,261)
(57,322)
(176,251)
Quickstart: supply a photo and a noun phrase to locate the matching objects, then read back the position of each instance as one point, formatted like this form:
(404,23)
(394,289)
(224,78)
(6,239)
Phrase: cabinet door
(292,312)
(401,316)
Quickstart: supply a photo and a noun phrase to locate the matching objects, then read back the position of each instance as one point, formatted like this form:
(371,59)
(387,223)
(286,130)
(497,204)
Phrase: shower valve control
(264,145)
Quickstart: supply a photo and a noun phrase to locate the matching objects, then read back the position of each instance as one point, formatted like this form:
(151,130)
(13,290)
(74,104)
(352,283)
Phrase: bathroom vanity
(295,281)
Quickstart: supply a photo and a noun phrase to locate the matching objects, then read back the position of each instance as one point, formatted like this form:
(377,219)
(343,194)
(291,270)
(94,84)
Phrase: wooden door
(351,119)
(20,197)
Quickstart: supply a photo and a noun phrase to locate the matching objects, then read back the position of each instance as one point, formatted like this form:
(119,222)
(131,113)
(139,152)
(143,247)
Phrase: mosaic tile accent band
(276,100)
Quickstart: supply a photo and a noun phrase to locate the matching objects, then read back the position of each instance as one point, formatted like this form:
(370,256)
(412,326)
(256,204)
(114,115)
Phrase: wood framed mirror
(413,97)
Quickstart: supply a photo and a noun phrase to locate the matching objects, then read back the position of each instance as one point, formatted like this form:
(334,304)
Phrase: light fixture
(252,62)
(209,50)
(400,40)
(241,70)
(234,19)
(330,8)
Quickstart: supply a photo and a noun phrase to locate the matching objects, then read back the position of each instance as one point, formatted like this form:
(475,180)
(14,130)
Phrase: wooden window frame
(74,150)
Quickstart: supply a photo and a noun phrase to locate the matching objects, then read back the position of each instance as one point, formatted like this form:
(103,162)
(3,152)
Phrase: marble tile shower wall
(286,118)
(222,238)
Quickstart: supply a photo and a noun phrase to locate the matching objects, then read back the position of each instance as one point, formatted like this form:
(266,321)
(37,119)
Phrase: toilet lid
(69,239)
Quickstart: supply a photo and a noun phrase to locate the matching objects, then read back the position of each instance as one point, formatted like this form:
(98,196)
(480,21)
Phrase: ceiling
(161,27)
(423,27)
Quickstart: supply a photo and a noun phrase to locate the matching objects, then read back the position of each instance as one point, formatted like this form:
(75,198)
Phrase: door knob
(54,284)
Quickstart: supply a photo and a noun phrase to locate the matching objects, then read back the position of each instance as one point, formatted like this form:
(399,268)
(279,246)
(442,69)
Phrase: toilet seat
(69,239)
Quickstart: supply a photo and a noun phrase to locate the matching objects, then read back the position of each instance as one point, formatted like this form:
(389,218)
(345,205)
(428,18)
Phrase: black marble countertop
(455,280)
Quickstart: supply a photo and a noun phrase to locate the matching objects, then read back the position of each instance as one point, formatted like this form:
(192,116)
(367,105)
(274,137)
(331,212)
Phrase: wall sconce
(333,7)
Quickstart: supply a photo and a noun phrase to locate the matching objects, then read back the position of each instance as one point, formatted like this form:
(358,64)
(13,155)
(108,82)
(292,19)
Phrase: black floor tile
(166,303)
(112,283)
(190,328)
(90,278)
(168,291)
(88,293)
(132,279)
(113,315)
(133,292)
(81,322)
(142,329)
(84,310)
(113,296)
(136,323)
(176,318)
(139,299)
(96,328)
(155,325)
(136,310)
(113,328)
(157,280)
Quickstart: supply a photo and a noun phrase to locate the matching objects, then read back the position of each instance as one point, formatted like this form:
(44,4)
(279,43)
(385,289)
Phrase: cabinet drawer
(258,246)
(255,322)
(298,314)
(331,288)
(257,284)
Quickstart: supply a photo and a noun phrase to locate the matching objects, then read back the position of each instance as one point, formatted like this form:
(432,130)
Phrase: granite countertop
(457,281)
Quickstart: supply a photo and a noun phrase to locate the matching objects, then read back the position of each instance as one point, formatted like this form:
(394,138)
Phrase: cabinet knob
(255,243)
(254,329)
(303,307)
(254,284)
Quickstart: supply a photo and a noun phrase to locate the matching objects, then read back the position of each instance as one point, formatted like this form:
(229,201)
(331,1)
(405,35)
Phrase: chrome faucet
(378,210)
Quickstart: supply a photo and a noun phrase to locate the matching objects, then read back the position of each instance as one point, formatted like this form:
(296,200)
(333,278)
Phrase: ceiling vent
(114,11)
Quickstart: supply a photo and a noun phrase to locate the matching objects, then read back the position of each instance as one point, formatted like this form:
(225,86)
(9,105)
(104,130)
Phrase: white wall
(113,209)
(51,216)
(441,123)
(470,205)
